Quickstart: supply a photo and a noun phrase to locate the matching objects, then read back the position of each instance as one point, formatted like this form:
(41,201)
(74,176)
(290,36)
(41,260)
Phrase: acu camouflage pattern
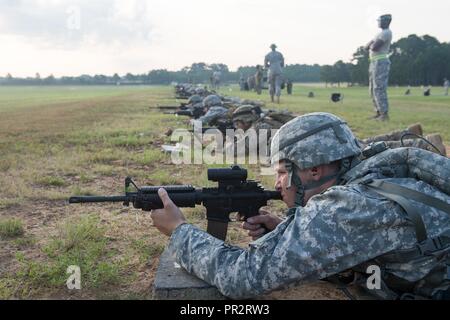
(214,113)
(212,100)
(246,113)
(378,84)
(340,229)
(195,99)
(259,75)
(321,148)
(216,110)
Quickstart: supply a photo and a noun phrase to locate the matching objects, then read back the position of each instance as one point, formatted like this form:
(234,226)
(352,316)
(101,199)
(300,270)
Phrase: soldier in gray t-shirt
(446,86)
(274,61)
(379,68)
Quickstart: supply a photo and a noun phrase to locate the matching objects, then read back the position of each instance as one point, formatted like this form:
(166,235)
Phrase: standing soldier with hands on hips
(380,66)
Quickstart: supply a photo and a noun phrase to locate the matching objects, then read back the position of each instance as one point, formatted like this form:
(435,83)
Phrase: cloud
(69,24)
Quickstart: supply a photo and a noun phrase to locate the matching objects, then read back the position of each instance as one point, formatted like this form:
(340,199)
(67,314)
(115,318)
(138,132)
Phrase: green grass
(11,228)
(51,181)
(80,242)
(149,157)
(24,97)
(61,141)
(146,249)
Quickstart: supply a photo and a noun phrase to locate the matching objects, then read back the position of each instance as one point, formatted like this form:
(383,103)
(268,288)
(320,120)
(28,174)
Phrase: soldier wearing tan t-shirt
(274,61)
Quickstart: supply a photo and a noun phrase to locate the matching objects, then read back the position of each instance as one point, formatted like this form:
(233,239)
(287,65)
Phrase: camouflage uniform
(214,113)
(259,80)
(242,83)
(274,60)
(216,110)
(379,71)
(378,83)
(289,86)
(251,82)
(345,226)
(253,114)
(216,79)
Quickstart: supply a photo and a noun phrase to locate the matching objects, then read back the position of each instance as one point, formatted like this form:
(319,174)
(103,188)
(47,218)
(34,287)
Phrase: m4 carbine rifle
(182,106)
(220,125)
(192,113)
(234,194)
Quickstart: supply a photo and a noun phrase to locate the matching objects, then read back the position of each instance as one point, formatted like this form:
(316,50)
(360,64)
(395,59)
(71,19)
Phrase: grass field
(61,141)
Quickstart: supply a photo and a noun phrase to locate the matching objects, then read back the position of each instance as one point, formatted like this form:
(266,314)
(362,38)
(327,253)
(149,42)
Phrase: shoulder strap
(399,194)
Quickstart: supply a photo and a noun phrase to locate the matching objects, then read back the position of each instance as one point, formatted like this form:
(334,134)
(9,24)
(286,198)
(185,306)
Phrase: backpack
(278,117)
(434,170)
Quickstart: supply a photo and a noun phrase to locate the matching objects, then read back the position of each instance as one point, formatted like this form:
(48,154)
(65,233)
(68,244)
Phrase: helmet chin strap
(294,179)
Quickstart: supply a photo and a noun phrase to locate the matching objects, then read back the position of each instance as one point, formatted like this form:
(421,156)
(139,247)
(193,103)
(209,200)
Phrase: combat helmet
(312,140)
(247,113)
(194,99)
(211,101)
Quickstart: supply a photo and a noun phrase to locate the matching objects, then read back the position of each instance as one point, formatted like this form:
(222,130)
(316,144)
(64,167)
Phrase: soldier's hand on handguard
(168,219)
(257,226)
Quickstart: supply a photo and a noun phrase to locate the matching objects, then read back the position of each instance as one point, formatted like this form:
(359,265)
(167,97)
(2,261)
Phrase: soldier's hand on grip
(257,226)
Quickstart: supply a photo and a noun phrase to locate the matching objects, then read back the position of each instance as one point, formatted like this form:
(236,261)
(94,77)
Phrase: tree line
(196,73)
(415,61)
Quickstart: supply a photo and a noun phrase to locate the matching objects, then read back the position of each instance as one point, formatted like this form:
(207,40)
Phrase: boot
(383,117)
(374,117)
(436,139)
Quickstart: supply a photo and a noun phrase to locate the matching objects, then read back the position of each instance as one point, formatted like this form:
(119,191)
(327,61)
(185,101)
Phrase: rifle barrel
(88,199)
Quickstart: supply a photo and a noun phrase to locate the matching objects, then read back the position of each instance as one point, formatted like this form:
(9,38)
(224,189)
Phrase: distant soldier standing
(251,83)
(379,68)
(446,85)
(289,86)
(259,75)
(242,83)
(216,79)
(274,61)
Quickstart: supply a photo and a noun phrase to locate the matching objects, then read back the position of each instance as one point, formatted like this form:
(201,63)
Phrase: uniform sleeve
(206,118)
(213,114)
(333,233)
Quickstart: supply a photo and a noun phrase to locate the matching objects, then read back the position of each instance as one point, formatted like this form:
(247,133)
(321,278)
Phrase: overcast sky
(73,37)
